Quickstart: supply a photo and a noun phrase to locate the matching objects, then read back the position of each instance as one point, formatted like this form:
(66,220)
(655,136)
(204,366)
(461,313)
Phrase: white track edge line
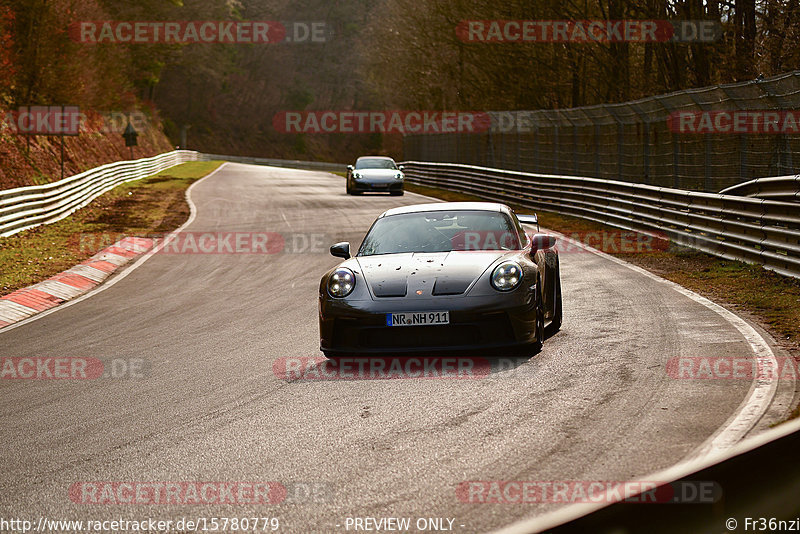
(762,390)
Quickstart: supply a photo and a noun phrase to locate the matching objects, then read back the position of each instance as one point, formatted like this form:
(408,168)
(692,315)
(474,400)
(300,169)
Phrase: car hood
(428,273)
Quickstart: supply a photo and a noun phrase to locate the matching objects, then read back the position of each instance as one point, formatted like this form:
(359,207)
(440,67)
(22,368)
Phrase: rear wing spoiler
(529,219)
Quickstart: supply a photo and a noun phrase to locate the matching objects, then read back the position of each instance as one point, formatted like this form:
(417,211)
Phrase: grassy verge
(771,299)
(152,205)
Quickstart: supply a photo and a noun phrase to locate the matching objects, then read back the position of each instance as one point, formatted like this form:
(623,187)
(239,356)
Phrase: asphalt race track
(595,404)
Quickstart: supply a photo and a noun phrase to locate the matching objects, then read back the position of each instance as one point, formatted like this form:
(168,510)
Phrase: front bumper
(366,187)
(476,324)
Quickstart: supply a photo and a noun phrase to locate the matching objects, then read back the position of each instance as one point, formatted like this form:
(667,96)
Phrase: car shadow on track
(498,364)
(426,367)
(445,366)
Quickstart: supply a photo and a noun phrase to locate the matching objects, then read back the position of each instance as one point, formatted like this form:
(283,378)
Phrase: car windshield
(375,163)
(440,231)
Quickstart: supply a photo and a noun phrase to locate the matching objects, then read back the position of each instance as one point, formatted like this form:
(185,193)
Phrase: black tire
(558,309)
(397,193)
(537,345)
(347,188)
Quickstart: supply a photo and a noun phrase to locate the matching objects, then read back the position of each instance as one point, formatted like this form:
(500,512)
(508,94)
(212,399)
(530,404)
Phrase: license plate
(418,318)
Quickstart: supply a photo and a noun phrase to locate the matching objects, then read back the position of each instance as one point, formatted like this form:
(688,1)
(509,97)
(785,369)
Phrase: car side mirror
(349,167)
(399,167)
(542,242)
(341,250)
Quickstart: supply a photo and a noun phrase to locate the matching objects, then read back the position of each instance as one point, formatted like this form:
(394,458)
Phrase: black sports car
(444,276)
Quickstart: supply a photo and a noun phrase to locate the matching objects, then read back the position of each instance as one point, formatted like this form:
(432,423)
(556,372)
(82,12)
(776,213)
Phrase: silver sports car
(374,173)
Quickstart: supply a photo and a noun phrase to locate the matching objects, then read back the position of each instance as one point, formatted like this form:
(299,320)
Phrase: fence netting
(701,139)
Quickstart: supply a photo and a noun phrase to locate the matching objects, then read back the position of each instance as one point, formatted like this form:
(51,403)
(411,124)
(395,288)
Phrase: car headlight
(341,282)
(506,276)
(356,176)
(398,176)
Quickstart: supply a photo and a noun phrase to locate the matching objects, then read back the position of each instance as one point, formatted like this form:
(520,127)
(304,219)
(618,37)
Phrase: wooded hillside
(380,54)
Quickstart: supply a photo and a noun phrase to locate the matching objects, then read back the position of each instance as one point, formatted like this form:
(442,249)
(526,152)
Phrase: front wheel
(537,345)
(397,193)
(558,311)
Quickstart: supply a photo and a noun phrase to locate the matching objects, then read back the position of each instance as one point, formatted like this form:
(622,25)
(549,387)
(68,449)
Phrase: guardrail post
(501,153)
(555,148)
(707,146)
(645,122)
(575,149)
(780,142)
(574,141)
(489,150)
(785,155)
(620,140)
(743,173)
(646,152)
(675,146)
(597,150)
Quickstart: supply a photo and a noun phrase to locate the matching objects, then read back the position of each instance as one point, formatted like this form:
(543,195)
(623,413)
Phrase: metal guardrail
(776,188)
(25,207)
(290,164)
(752,230)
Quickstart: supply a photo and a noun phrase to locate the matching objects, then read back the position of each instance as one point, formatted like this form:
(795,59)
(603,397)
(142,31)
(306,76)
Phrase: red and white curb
(71,283)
